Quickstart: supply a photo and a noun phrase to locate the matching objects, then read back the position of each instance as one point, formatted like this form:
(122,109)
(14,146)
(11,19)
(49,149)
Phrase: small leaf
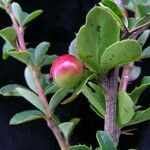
(26,116)
(6,48)
(51,88)
(8,34)
(6,2)
(143,9)
(125,108)
(135,94)
(67,128)
(10,90)
(146,53)
(40,52)
(24,57)
(32,16)
(93,100)
(32,98)
(30,79)
(79,147)
(105,141)
(140,116)
(72,47)
(143,37)
(94,37)
(114,55)
(2,5)
(57,98)
(48,60)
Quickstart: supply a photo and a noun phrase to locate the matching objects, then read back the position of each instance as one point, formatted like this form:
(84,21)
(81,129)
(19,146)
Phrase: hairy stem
(110,86)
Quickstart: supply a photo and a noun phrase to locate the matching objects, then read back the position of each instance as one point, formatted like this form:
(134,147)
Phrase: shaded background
(58,24)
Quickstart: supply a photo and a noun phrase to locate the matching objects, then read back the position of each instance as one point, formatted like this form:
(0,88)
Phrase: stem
(110,86)
(22,47)
(19,29)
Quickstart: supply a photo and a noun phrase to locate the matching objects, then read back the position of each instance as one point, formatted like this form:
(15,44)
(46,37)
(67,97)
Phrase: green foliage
(32,98)
(105,141)
(125,108)
(94,37)
(6,2)
(114,54)
(68,127)
(6,48)
(72,47)
(146,53)
(79,147)
(26,116)
(57,98)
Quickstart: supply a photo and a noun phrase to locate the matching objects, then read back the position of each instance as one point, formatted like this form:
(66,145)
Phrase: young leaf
(94,37)
(57,98)
(67,128)
(2,5)
(79,147)
(143,9)
(32,98)
(140,116)
(10,90)
(51,88)
(114,55)
(135,94)
(105,141)
(30,79)
(93,99)
(8,34)
(40,52)
(26,116)
(25,57)
(72,47)
(32,16)
(48,60)
(125,108)
(146,53)
(6,2)
(6,48)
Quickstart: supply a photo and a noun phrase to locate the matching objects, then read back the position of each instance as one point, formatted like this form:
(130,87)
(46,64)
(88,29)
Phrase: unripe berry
(67,71)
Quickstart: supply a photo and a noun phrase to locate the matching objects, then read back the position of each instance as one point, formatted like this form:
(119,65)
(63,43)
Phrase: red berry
(67,71)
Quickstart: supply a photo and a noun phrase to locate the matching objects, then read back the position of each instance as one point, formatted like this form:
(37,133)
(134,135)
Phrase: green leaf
(146,53)
(26,116)
(114,55)
(68,127)
(105,141)
(143,37)
(143,9)
(32,16)
(94,37)
(57,98)
(125,108)
(6,2)
(135,94)
(51,88)
(8,34)
(140,116)
(115,8)
(72,47)
(2,5)
(6,48)
(79,147)
(93,100)
(40,52)
(10,90)
(30,79)
(32,98)
(25,57)
(131,22)
(48,60)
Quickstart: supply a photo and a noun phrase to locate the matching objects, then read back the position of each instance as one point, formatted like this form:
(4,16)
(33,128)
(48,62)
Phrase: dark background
(58,24)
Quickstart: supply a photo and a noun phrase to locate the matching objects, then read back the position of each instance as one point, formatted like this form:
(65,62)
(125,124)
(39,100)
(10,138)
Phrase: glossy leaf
(135,94)
(8,34)
(40,52)
(32,16)
(143,37)
(24,57)
(68,127)
(10,90)
(93,100)
(146,53)
(32,98)
(57,98)
(114,55)
(30,79)
(116,9)
(125,108)
(94,37)
(140,116)
(26,116)
(79,147)
(105,141)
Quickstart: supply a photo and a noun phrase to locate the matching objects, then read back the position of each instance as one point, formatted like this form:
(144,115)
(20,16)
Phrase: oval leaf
(94,37)
(26,116)
(79,147)
(121,52)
